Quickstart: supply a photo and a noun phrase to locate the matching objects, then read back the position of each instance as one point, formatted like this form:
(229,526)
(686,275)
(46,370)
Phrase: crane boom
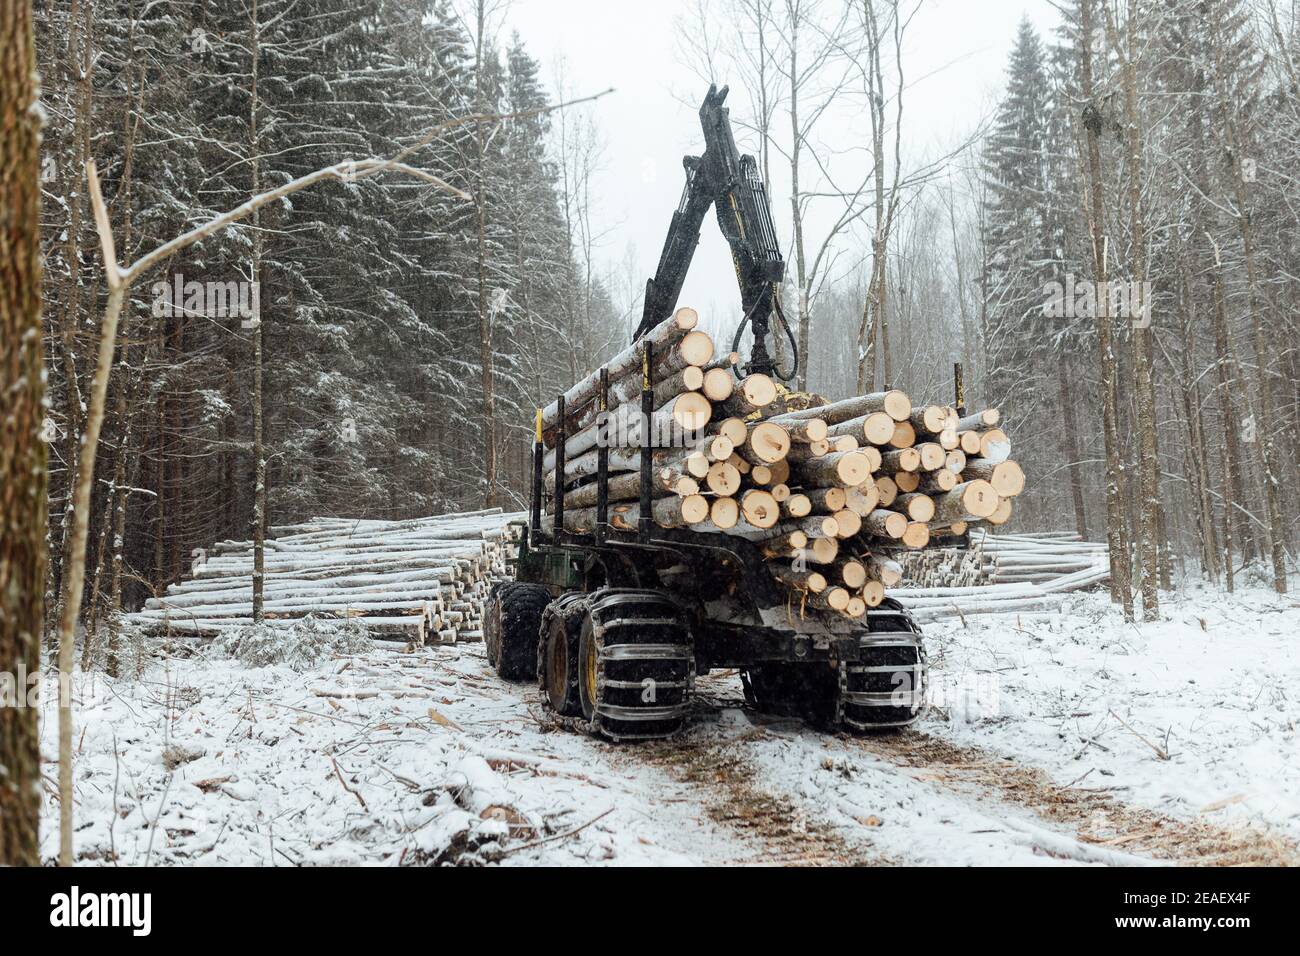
(729,182)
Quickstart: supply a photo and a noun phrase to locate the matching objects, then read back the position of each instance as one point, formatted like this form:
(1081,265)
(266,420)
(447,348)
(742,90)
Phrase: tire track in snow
(1096,818)
(719,770)
(1026,808)
(781,832)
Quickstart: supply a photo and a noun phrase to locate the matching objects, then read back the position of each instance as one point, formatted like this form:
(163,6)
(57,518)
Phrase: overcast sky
(955,57)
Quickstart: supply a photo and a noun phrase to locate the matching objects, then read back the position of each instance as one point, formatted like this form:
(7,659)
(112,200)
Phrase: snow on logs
(419,580)
(839,486)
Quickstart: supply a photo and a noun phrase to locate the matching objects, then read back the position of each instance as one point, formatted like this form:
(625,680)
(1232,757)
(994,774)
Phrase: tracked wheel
(636,665)
(886,687)
(512,618)
(557,654)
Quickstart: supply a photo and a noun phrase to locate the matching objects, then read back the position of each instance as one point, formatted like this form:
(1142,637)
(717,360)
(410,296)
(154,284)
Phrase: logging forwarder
(616,617)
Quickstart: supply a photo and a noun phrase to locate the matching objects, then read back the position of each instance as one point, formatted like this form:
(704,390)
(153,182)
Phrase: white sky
(955,57)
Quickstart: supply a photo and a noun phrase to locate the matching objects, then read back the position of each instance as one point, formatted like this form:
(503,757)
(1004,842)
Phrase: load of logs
(422,580)
(831,494)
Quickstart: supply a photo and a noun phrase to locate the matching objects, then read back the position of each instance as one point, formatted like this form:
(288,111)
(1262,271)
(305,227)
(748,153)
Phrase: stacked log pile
(1013,573)
(949,566)
(1041,558)
(419,580)
(831,494)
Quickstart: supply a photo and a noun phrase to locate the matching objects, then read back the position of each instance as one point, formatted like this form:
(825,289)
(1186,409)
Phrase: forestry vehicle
(616,625)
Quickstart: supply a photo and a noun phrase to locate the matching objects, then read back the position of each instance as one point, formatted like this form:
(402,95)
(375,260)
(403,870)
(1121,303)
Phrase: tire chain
(595,724)
(566,607)
(575,606)
(841,698)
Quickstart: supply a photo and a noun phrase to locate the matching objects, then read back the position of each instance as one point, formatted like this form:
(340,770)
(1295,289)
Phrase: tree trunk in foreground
(23,453)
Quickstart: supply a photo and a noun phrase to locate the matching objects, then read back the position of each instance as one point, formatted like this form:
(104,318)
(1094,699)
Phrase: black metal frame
(730,183)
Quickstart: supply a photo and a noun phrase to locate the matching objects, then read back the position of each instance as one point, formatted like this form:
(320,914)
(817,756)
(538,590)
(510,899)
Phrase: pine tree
(1022,233)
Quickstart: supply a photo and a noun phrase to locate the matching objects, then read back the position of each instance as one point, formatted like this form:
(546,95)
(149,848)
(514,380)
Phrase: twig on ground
(304,710)
(557,836)
(1078,779)
(117,773)
(360,799)
(153,827)
(1162,754)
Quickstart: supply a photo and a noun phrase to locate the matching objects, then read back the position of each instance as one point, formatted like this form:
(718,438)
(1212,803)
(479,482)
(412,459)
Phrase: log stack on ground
(422,580)
(859,480)
(1002,574)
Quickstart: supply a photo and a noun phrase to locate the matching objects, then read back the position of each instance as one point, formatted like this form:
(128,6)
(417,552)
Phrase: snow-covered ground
(1214,688)
(1047,744)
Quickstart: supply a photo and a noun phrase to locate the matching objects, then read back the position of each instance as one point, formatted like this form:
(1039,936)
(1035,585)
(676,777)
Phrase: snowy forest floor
(1066,739)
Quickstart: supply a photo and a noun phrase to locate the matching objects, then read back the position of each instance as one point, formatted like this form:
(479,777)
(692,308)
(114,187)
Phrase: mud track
(784,834)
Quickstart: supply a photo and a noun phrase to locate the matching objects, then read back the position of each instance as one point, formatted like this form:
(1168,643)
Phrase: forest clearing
(218,762)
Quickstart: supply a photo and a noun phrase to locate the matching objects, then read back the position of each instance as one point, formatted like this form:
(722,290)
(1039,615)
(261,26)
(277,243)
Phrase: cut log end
(797,506)
(696,348)
(760,508)
(717,384)
(916,535)
(886,524)
(879,428)
(847,523)
(897,405)
(873,592)
(758,390)
(768,442)
(823,550)
(724,512)
(853,574)
(691,411)
(694,509)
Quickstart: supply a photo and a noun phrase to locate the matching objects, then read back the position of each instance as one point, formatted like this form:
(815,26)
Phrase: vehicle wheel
(557,654)
(636,665)
(512,620)
(886,688)
(807,691)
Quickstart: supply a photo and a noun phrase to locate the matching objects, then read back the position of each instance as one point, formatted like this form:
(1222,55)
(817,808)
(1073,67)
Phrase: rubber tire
(559,645)
(512,627)
(655,605)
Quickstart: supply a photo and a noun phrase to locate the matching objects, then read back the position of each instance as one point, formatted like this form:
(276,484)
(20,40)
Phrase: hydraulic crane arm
(729,182)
